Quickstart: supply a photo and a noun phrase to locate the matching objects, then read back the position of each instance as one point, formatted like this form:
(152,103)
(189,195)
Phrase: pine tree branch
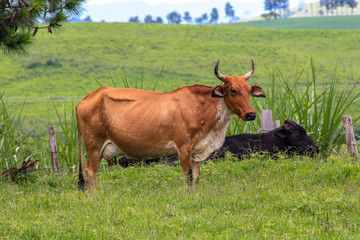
(22,15)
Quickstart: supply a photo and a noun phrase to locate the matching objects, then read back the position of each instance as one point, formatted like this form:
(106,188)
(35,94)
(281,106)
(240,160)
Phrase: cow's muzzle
(250,116)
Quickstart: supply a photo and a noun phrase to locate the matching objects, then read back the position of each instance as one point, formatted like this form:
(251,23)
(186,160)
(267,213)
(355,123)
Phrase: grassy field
(69,64)
(258,198)
(297,198)
(324,22)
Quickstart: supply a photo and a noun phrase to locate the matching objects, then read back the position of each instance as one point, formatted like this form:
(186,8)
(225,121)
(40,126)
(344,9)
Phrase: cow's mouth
(250,116)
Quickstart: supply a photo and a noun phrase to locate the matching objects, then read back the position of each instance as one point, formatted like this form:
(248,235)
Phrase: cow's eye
(233,91)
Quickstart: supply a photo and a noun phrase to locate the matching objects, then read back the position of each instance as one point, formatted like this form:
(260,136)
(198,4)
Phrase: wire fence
(44,99)
(79,98)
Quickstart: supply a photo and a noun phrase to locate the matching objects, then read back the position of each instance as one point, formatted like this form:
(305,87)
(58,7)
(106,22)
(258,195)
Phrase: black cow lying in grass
(290,138)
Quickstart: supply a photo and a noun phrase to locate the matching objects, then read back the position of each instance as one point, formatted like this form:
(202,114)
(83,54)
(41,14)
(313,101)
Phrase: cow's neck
(223,116)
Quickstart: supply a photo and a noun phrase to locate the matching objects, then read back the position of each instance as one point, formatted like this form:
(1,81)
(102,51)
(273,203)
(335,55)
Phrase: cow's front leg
(195,169)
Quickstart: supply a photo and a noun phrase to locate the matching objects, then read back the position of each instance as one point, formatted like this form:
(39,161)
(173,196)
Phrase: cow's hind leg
(91,168)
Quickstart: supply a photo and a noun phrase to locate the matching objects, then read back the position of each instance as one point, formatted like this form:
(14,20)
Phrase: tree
(214,15)
(148,19)
(20,19)
(270,5)
(283,5)
(334,4)
(199,20)
(229,10)
(205,17)
(174,17)
(159,20)
(329,4)
(87,19)
(271,15)
(134,19)
(351,3)
(275,5)
(187,17)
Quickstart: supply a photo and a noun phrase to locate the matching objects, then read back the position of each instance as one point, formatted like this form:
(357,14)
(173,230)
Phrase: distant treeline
(273,9)
(175,17)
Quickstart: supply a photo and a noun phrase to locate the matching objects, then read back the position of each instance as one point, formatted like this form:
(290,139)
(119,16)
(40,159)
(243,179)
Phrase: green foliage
(67,138)
(318,108)
(10,139)
(19,20)
(295,198)
(15,145)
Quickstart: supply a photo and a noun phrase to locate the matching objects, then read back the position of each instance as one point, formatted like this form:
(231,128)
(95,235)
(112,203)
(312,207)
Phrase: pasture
(308,76)
(256,198)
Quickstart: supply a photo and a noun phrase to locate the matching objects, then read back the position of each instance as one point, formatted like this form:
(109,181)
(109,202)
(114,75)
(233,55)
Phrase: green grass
(256,198)
(324,22)
(70,63)
(297,198)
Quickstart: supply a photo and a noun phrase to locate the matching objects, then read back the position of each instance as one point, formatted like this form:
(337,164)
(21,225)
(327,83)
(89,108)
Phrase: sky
(122,10)
(91,2)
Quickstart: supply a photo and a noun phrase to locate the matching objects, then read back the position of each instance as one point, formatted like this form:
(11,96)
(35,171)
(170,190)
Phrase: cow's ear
(288,125)
(219,91)
(256,91)
(282,132)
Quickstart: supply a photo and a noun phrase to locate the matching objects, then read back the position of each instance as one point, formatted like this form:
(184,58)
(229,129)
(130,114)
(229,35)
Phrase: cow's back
(143,124)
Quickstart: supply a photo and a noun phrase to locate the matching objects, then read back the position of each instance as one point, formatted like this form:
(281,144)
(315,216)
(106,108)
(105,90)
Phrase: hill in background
(72,63)
(326,22)
(310,16)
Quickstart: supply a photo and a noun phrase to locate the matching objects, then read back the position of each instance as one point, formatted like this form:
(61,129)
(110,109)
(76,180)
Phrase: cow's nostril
(250,116)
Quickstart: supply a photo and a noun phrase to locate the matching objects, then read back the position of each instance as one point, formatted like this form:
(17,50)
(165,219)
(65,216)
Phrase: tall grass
(11,140)
(317,108)
(15,144)
(66,138)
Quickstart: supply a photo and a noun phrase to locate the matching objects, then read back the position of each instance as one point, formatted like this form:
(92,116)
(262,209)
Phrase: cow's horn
(251,71)
(217,73)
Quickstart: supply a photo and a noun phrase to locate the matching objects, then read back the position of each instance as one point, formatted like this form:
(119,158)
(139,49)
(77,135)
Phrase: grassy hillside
(69,64)
(325,22)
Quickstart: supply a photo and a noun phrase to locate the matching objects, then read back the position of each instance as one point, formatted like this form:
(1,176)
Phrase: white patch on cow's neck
(216,137)
(224,115)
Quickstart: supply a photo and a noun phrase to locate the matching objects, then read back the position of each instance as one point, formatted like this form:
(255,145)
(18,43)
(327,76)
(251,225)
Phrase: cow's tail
(81,182)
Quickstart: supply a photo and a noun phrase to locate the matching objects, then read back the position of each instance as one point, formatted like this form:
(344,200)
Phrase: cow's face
(236,93)
(296,138)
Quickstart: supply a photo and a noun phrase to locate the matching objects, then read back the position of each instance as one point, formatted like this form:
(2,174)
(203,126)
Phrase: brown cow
(190,121)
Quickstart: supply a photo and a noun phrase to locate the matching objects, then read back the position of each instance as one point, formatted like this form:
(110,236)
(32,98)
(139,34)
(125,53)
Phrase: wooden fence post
(53,150)
(349,135)
(266,121)
(267,124)
(276,124)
